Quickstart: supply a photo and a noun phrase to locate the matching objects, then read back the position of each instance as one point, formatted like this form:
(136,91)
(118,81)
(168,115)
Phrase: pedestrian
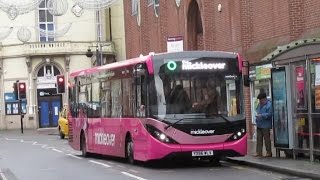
(264,125)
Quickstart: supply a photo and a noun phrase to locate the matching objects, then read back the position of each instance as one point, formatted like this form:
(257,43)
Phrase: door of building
(49,107)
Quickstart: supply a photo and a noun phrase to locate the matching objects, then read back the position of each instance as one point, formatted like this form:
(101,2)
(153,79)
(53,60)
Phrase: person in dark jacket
(179,100)
(264,124)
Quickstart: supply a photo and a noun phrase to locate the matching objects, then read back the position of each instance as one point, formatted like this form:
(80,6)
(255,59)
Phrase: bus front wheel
(129,151)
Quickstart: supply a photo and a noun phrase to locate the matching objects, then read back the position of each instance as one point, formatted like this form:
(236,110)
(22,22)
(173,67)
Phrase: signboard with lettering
(263,72)
(10,97)
(175,44)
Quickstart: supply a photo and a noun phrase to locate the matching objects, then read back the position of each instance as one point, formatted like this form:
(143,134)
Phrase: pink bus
(182,104)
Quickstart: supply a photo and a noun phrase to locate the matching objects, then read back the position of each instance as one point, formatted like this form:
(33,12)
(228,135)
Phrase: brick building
(262,31)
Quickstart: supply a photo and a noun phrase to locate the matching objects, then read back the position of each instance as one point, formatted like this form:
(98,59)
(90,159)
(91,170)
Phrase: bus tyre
(215,161)
(83,146)
(129,151)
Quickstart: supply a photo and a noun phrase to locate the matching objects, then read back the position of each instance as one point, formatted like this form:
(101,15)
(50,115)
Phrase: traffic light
(15,90)
(22,90)
(60,84)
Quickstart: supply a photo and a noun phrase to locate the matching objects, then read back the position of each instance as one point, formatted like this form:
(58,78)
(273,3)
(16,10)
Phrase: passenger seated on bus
(179,100)
(210,103)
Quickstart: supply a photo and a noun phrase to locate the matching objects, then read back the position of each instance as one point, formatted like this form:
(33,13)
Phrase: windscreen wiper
(174,123)
(222,116)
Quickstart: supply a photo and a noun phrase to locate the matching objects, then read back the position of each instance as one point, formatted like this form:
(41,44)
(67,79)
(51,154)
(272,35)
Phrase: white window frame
(46,23)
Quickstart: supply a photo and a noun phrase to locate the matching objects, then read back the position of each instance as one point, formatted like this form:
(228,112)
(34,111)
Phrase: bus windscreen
(196,88)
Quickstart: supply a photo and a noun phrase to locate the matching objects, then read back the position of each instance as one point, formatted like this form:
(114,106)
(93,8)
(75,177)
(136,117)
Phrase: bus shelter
(295,89)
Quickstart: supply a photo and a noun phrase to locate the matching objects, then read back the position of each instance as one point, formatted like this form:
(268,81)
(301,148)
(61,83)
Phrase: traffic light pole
(21,115)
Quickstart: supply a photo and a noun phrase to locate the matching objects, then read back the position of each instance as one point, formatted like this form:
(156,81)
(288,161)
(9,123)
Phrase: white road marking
(71,155)
(36,144)
(3,176)
(133,176)
(134,171)
(8,139)
(102,164)
(57,150)
(28,141)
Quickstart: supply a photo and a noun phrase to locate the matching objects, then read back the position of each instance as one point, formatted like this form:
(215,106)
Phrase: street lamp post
(99,53)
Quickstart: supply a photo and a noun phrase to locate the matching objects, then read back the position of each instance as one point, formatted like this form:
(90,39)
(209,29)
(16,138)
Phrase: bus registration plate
(202,153)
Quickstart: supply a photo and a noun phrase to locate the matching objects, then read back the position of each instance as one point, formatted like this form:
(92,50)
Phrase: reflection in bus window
(106,99)
(94,104)
(116,95)
(127,99)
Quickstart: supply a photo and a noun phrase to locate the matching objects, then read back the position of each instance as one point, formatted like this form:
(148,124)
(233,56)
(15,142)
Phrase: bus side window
(116,95)
(140,96)
(127,97)
(105,99)
(94,99)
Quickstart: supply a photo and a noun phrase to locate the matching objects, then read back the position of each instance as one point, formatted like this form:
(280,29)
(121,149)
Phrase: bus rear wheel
(84,151)
(129,151)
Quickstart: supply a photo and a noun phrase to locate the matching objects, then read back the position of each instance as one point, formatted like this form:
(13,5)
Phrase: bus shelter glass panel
(279,103)
(300,106)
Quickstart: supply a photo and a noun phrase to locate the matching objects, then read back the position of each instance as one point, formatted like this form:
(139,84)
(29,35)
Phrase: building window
(134,7)
(46,24)
(150,2)
(48,70)
(156,6)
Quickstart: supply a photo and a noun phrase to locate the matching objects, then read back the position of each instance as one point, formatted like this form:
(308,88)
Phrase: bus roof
(124,63)
(140,59)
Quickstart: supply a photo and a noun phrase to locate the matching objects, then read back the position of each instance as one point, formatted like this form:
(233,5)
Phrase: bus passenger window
(140,96)
(116,95)
(127,98)
(105,99)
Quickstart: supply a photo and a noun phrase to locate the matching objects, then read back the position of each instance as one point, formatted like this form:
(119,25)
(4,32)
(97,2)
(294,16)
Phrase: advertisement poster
(263,72)
(279,102)
(300,90)
(317,86)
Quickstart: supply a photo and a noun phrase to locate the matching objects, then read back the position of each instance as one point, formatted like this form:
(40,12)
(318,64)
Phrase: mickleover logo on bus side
(106,139)
(201,131)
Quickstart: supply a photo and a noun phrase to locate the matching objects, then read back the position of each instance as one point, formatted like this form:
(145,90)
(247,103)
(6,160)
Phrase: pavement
(301,167)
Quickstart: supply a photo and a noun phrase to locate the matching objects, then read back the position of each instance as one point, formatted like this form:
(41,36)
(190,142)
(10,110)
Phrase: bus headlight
(159,135)
(237,135)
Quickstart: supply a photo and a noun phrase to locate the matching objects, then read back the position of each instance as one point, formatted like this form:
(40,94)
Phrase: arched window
(48,70)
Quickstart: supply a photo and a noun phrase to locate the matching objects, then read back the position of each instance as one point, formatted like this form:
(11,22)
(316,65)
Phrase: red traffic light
(22,90)
(60,79)
(21,85)
(60,84)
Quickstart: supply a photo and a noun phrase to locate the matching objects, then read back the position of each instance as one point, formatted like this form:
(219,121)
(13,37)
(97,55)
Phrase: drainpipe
(110,24)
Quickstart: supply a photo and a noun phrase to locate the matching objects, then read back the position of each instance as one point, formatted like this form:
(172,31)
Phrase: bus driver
(209,103)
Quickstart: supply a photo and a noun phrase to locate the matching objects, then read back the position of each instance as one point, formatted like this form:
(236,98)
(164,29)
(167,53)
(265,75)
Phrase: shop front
(295,93)
(260,76)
